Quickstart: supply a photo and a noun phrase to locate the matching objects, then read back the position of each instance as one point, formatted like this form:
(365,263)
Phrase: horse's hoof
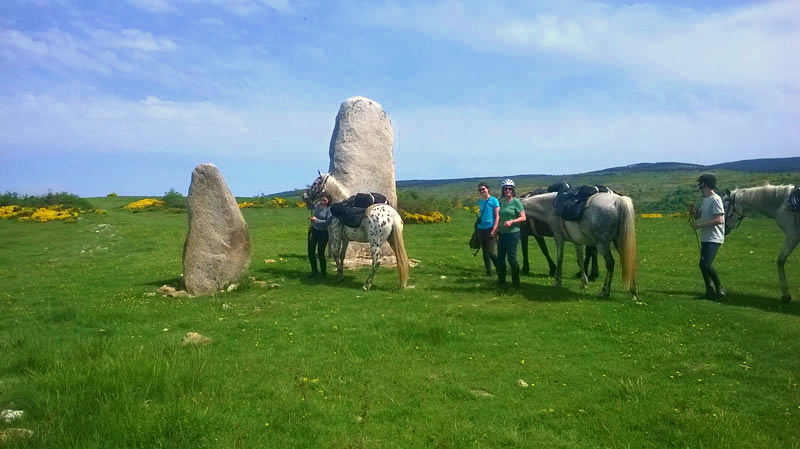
(556,283)
(786,298)
(366,287)
(605,293)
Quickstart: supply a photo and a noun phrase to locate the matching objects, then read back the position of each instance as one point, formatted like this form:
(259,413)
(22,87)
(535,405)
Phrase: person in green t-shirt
(512,215)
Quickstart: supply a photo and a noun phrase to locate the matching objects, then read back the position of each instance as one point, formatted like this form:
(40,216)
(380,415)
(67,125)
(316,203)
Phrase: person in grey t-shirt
(318,235)
(711,223)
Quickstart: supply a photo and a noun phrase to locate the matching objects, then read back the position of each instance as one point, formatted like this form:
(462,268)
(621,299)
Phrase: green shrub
(174,199)
(412,202)
(64,199)
(112,195)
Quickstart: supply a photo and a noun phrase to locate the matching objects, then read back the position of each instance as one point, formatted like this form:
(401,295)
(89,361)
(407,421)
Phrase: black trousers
(317,242)
(488,248)
(708,251)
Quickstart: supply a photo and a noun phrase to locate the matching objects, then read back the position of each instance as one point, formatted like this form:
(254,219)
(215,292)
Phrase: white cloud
(132,39)
(241,7)
(739,47)
(47,124)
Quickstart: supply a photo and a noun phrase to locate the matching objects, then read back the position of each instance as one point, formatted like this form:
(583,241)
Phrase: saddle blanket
(570,204)
(351,211)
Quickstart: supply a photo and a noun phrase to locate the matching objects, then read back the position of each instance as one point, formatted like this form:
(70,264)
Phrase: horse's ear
(319,172)
(728,192)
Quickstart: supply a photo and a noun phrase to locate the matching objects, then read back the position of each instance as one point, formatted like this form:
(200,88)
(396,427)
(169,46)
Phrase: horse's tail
(399,248)
(626,238)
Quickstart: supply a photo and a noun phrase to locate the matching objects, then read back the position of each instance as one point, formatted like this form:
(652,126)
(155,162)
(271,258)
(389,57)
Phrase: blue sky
(130,95)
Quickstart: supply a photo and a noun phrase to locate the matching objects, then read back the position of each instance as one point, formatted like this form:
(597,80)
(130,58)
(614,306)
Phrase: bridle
(317,188)
(732,212)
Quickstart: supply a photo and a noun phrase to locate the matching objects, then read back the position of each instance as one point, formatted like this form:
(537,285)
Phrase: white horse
(381,223)
(608,217)
(772,201)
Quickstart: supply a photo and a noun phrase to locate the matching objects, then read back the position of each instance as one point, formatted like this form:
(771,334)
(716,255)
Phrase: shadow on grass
(735,299)
(351,279)
(174,282)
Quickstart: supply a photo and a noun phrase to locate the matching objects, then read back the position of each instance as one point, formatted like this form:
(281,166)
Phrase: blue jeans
(507,249)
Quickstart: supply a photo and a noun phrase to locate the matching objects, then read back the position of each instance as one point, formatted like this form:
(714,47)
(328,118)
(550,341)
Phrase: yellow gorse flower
(41,214)
(433,217)
(147,203)
(246,204)
(278,202)
(656,215)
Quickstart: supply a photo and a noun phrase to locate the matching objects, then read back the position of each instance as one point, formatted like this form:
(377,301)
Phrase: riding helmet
(708,180)
(508,182)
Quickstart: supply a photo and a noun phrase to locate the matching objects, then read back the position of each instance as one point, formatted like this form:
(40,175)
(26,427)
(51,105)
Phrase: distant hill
(761,165)
(750,172)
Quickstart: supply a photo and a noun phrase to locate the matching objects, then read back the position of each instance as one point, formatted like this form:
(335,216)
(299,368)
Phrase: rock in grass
(481,394)
(193,338)
(217,248)
(11,415)
(12,434)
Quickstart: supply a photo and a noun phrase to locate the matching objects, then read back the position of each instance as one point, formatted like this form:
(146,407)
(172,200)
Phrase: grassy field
(94,358)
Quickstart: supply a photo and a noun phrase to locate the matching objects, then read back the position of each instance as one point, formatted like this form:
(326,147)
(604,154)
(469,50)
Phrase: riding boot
(322,271)
(501,275)
(515,277)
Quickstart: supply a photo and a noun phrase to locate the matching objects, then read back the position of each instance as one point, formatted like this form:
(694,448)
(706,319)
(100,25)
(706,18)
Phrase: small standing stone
(217,248)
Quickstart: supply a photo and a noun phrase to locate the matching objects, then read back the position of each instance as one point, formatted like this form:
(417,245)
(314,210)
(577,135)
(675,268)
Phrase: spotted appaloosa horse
(608,217)
(772,201)
(381,223)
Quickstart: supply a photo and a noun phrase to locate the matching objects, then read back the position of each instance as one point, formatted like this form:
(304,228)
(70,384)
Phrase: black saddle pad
(351,211)
(570,203)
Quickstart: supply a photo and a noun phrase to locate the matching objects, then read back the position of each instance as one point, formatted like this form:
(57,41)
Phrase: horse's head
(317,188)
(734,214)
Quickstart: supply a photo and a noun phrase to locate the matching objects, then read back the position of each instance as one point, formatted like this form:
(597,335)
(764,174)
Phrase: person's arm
(718,219)
(496,220)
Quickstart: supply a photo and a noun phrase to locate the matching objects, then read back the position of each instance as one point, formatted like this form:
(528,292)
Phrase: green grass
(95,361)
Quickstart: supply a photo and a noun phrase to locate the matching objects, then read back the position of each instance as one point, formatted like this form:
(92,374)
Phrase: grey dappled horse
(539,229)
(607,218)
(772,201)
(381,223)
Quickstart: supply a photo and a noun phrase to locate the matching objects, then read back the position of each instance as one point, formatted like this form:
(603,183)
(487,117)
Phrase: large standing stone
(361,148)
(217,247)
(362,160)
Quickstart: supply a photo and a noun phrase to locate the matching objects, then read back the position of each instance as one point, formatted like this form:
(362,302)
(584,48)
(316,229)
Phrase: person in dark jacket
(318,235)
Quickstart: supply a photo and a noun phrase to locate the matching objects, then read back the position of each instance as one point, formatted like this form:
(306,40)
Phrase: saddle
(351,211)
(570,203)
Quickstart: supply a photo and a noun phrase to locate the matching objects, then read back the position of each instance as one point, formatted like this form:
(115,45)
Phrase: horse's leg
(559,260)
(789,243)
(343,242)
(375,248)
(543,247)
(591,256)
(582,272)
(605,251)
(523,238)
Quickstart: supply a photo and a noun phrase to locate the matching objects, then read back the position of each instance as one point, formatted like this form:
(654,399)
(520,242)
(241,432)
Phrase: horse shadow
(468,277)
(736,299)
(352,279)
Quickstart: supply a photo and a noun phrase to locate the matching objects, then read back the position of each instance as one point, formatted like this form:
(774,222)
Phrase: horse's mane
(337,191)
(766,197)
(533,192)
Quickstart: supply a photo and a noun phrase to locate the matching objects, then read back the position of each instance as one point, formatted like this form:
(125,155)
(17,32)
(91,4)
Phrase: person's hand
(508,223)
(312,218)
(695,225)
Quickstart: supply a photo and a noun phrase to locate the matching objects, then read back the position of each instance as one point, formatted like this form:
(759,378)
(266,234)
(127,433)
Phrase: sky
(128,96)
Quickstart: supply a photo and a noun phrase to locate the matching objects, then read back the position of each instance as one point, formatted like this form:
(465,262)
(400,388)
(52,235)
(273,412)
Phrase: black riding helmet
(708,180)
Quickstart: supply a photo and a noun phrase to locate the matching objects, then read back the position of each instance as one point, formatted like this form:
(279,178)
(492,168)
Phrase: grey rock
(217,248)
(362,160)
(361,149)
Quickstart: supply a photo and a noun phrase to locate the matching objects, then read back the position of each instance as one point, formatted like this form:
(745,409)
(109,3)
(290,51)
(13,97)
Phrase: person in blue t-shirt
(489,209)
